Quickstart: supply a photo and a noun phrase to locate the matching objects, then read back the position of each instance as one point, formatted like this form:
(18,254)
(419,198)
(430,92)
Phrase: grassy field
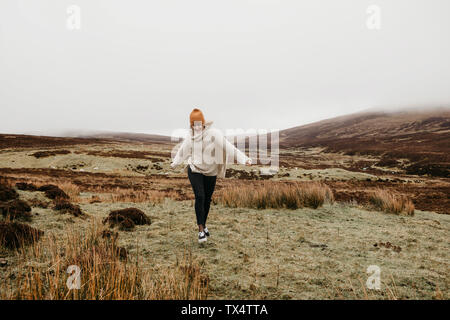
(273,253)
(281,254)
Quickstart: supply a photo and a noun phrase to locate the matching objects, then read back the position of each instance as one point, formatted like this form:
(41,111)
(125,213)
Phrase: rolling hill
(422,137)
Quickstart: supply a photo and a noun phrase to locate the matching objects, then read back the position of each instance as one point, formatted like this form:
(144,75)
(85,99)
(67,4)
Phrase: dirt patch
(45,154)
(139,168)
(64,206)
(387,245)
(53,192)
(16,209)
(127,218)
(14,235)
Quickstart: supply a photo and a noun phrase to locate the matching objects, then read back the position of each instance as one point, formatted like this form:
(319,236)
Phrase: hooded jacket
(208,152)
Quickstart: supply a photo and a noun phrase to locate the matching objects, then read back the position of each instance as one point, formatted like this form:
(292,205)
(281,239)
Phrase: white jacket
(208,152)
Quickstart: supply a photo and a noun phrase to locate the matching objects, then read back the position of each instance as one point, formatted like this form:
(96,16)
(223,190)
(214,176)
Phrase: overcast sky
(141,66)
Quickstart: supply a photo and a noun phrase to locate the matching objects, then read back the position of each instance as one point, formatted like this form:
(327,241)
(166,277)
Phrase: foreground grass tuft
(14,235)
(392,203)
(278,195)
(105,271)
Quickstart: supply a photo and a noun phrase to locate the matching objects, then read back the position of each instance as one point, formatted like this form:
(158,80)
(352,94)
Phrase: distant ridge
(124,136)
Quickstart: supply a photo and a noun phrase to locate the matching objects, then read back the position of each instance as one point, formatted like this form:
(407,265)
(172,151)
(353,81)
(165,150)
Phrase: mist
(142,66)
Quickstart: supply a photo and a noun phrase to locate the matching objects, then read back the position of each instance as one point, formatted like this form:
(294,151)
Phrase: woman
(207,152)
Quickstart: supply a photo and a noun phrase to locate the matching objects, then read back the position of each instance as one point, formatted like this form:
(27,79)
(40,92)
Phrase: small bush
(7,193)
(127,218)
(53,192)
(14,235)
(65,206)
(16,209)
(392,203)
(26,186)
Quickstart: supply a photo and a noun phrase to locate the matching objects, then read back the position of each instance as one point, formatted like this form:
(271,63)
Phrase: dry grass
(72,190)
(104,193)
(277,195)
(129,195)
(390,202)
(15,235)
(105,274)
(359,291)
(183,282)
(253,254)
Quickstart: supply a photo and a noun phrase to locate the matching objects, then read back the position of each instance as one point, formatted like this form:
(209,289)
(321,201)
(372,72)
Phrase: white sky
(141,66)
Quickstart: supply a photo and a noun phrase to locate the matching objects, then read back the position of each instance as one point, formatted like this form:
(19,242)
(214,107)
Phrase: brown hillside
(422,137)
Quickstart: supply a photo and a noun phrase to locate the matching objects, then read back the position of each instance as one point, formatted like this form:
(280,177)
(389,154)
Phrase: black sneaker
(206,231)
(201,237)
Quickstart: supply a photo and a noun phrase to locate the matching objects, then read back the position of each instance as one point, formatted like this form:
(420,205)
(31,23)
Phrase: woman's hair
(196,115)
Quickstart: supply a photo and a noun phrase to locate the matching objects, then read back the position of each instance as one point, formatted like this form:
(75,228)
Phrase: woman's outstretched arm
(183,153)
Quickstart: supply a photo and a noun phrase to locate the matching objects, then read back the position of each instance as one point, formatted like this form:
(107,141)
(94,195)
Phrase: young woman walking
(207,152)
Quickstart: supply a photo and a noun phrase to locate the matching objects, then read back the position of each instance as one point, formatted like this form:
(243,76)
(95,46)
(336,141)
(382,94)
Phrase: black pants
(203,187)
